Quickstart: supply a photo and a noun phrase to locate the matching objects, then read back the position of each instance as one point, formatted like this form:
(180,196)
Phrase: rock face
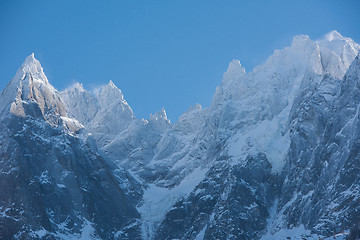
(231,202)
(276,151)
(322,173)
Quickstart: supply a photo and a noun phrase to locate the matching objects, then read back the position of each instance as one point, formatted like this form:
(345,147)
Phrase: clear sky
(168,54)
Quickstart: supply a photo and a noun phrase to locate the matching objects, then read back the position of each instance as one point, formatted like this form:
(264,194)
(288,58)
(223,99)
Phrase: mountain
(274,156)
(55,184)
(256,113)
(323,167)
(104,113)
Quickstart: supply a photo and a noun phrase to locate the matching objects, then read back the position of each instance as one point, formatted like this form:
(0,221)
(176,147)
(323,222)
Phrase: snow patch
(201,234)
(300,233)
(267,137)
(158,201)
(44,178)
(61,185)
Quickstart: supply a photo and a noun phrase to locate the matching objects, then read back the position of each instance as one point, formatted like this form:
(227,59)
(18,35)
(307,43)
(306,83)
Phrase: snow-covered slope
(275,153)
(105,113)
(259,103)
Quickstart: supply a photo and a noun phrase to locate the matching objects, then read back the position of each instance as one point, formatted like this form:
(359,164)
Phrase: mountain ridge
(260,151)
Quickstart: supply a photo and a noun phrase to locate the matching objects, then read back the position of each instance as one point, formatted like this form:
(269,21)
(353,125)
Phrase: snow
(266,137)
(201,234)
(159,121)
(61,185)
(120,232)
(40,233)
(234,72)
(31,86)
(44,178)
(72,124)
(263,99)
(3,211)
(272,212)
(260,102)
(337,53)
(158,201)
(295,233)
(159,115)
(333,35)
(300,233)
(104,112)
(87,231)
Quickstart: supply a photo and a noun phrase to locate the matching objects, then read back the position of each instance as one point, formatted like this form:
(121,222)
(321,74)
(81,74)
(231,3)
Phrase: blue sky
(168,54)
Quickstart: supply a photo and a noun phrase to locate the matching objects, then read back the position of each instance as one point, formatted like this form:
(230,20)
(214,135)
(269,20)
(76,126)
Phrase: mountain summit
(334,35)
(29,93)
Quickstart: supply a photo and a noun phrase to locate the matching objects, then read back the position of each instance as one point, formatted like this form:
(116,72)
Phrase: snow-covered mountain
(275,155)
(55,184)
